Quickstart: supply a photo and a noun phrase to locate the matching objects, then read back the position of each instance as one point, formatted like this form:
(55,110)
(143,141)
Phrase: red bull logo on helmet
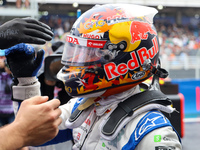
(112,70)
(139,31)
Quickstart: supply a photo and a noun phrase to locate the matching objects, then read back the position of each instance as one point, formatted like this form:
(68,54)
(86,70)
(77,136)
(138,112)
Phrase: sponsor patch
(157,138)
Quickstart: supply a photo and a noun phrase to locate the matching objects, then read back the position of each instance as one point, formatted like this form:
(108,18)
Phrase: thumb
(39,58)
(38,61)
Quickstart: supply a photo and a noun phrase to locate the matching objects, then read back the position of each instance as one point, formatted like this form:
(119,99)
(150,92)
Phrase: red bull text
(112,70)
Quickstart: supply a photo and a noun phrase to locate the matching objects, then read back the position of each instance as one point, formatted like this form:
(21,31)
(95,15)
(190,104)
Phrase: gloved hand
(22,60)
(24,30)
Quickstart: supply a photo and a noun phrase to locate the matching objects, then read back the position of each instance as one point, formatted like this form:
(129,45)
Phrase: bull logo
(139,31)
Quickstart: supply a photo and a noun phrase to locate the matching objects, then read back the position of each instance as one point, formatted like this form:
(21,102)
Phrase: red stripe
(198,98)
(182,114)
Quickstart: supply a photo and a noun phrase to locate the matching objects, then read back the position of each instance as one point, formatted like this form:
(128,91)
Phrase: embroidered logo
(150,121)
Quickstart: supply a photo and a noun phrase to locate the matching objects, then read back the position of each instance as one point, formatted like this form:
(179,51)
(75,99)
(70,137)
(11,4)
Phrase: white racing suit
(146,129)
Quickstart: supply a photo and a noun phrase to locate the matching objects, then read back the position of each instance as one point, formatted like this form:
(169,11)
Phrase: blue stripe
(151,121)
(63,136)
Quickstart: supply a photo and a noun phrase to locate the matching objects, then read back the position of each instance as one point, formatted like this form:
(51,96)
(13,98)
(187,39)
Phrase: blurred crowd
(175,39)
(179,45)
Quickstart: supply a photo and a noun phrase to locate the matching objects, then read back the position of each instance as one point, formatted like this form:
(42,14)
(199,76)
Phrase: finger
(39,28)
(39,58)
(38,99)
(31,20)
(54,103)
(37,34)
(33,40)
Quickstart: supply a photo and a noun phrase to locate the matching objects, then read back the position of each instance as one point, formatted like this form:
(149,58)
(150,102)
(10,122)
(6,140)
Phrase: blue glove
(22,61)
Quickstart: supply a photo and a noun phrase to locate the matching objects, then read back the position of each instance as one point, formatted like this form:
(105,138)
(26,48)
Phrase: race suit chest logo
(112,70)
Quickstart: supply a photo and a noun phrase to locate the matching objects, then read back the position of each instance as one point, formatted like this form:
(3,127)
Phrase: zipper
(95,120)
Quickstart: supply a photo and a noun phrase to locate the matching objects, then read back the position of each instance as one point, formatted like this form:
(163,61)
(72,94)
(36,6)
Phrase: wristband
(24,81)
(25,92)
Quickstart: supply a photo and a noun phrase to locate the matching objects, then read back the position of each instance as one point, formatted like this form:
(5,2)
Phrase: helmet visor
(82,52)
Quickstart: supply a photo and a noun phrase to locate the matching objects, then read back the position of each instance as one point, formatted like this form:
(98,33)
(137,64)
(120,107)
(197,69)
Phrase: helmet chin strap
(88,102)
(158,71)
(90,99)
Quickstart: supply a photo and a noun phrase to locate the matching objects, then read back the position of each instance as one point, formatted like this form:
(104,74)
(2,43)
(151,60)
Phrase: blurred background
(177,23)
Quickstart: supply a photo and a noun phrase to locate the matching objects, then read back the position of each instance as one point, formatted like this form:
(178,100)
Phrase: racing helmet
(107,48)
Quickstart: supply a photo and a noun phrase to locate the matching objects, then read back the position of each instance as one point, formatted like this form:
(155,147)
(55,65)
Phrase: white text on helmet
(117,19)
